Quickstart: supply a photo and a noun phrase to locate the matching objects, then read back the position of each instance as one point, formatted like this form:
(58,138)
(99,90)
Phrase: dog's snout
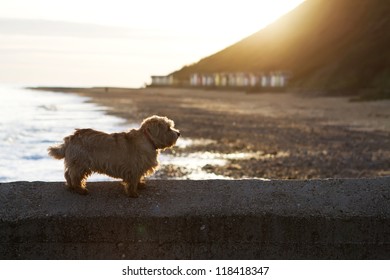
(176,131)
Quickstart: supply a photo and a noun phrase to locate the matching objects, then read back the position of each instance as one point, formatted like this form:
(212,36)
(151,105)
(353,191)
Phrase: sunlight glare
(231,18)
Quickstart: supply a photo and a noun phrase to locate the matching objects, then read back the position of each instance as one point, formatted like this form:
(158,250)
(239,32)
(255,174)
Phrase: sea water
(31,121)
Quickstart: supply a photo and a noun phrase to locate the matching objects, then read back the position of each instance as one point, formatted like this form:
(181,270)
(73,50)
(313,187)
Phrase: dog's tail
(57,152)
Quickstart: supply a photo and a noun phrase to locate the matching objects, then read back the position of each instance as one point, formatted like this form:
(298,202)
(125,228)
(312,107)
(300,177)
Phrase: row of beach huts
(275,79)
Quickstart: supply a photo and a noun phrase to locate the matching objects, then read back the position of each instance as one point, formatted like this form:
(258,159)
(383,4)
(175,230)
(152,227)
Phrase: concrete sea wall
(211,219)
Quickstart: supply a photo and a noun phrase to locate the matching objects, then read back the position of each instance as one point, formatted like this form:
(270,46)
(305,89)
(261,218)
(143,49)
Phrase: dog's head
(160,131)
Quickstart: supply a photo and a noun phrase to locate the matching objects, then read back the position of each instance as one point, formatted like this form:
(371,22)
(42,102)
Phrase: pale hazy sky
(171,32)
(241,17)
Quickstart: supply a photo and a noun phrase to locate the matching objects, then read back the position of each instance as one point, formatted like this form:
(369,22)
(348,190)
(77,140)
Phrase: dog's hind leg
(141,184)
(79,184)
(67,178)
(131,185)
(76,179)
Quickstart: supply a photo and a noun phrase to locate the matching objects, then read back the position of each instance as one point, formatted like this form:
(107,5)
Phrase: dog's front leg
(141,183)
(131,186)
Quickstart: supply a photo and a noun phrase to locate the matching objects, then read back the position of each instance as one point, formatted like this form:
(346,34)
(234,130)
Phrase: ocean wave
(33,120)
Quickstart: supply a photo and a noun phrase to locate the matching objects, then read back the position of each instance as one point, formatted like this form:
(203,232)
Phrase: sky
(120,42)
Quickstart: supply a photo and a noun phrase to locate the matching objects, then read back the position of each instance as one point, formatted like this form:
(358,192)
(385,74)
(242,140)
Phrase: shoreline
(286,135)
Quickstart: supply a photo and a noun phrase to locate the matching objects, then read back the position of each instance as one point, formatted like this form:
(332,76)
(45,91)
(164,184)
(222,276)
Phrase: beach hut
(162,80)
(195,79)
(207,80)
(217,79)
(253,80)
(224,79)
(232,80)
(265,80)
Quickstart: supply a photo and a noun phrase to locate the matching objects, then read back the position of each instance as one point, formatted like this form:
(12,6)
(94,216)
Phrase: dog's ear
(152,130)
(155,125)
(152,127)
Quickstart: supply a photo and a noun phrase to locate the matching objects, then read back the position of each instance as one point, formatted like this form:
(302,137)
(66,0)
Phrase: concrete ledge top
(333,198)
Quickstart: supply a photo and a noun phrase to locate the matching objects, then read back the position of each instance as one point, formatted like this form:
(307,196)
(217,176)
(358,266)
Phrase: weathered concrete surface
(238,219)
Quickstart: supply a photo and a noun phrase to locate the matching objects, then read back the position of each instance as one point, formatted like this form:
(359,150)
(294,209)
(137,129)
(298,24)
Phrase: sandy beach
(278,135)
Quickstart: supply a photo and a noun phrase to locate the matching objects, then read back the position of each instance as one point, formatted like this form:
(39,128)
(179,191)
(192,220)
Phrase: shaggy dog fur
(127,155)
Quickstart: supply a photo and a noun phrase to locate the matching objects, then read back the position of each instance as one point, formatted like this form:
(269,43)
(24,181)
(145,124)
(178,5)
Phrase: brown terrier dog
(127,155)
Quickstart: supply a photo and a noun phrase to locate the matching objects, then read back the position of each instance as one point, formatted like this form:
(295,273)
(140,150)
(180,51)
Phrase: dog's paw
(142,185)
(82,191)
(132,194)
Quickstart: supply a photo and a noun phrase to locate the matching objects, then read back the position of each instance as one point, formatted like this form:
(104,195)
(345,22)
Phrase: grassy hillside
(326,44)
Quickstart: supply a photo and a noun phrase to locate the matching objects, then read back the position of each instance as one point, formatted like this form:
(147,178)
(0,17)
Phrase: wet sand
(281,135)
